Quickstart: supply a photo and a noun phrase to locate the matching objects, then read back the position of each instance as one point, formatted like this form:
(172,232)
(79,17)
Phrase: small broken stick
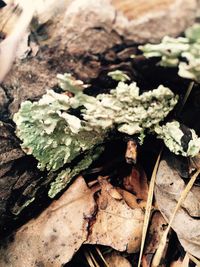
(131,151)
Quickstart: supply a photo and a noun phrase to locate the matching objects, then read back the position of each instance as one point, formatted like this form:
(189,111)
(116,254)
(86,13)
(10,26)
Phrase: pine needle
(89,260)
(93,259)
(192,258)
(187,94)
(102,257)
(161,247)
(148,207)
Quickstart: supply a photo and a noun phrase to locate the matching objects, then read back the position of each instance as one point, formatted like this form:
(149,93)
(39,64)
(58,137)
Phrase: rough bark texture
(86,39)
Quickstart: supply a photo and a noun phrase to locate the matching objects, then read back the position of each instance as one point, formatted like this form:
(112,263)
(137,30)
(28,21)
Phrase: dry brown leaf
(131,200)
(195,162)
(117,225)
(114,259)
(51,239)
(169,186)
(136,183)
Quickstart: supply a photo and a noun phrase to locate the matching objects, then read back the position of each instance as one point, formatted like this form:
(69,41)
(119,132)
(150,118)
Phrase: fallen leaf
(131,200)
(149,207)
(51,239)
(117,225)
(195,161)
(158,255)
(169,186)
(75,218)
(136,183)
(114,259)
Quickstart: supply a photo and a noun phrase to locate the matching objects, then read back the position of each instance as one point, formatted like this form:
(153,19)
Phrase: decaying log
(86,38)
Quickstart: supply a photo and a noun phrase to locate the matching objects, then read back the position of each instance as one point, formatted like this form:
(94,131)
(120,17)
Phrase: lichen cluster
(173,135)
(54,136)
(63,128)
(181,52)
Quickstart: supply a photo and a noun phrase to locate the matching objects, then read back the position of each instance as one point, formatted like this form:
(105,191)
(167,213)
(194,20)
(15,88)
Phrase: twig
(192,258)
(148,207)
(102,257)
(89,260)
(187,94)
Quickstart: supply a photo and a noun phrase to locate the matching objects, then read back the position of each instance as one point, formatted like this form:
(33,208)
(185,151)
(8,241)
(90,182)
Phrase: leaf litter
(77,218)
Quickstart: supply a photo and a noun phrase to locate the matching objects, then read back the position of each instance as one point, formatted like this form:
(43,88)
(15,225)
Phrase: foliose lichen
(61,128)
(54,136)
(65,176)
(181,52)
(119,75)
(173,136)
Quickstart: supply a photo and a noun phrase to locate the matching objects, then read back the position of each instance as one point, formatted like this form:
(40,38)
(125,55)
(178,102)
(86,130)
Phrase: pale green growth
(172,135)
(26,204)
(65,176)
(68,83)
(119,75)
(128,111)
(55,137)
(183,52)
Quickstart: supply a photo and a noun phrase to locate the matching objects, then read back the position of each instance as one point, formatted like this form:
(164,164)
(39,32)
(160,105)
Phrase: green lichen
(54,136)
(65,176)
(23,206)
(181,52)
(128,111)
(57,138)
(119,76)
(51,132)
(172,135)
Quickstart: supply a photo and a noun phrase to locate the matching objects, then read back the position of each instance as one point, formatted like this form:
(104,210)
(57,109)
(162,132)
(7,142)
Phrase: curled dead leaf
(117,225)
(74,219)
(169,186)
(51,239)
(136,183)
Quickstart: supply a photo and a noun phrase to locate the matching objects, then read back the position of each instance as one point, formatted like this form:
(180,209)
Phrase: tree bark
(87,38)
